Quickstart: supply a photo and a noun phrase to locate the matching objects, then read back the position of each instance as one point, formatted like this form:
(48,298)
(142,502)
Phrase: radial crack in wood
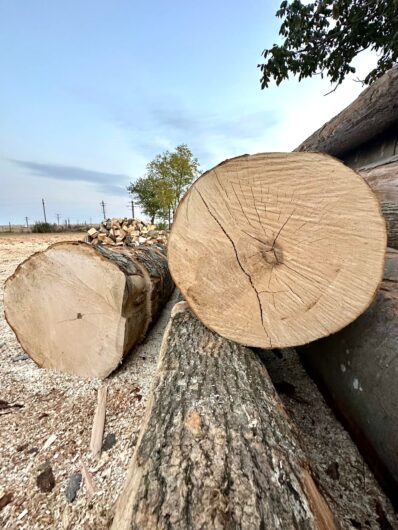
(278,249)
(216,448)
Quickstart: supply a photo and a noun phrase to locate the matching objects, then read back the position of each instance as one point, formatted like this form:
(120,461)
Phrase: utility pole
(27,221)
(44,210)
(9,225)
(132,209)
(58,216)
(103,208)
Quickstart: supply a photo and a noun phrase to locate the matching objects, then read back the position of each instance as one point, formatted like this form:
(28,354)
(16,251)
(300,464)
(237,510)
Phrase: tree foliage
(323,37)
(167,178)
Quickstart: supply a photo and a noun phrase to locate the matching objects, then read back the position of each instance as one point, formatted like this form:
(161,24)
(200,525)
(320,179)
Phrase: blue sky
(92,90)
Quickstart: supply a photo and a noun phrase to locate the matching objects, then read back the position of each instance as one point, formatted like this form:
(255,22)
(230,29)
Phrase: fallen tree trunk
(278,249)
(357,368)
(80,308)
(373,112)
(383,179)
(216,449)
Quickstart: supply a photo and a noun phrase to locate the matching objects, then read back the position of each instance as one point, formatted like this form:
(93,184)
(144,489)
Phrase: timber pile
(130,232)
(216,449)
(80,308)
(278,249)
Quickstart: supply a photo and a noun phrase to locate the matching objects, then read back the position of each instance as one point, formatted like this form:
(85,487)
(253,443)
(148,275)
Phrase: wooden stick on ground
(216,449)
(99,422)
(81,308)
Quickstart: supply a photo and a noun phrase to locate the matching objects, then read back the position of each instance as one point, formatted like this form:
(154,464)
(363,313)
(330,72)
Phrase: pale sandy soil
(50,403)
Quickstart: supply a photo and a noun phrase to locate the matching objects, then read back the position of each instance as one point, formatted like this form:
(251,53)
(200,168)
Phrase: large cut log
(278,249)
(358,369)
(80,308)
(216,449)
(383,179)
(373,112)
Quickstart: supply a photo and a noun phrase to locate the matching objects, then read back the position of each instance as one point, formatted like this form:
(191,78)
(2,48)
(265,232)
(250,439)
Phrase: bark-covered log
(374,111)
(216,449)
(278,249)
(80,308)
(358,369)
(383,179)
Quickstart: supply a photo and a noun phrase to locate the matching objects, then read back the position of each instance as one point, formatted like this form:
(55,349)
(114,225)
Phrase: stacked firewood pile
(130,232)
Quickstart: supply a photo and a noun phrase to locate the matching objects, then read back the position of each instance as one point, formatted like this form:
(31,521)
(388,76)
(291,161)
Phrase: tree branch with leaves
(323,38)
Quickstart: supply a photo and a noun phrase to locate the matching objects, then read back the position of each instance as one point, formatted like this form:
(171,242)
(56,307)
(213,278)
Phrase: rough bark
(383,179)
(373,112)
(216,449)
(357,368)
(80,308)
(278,249)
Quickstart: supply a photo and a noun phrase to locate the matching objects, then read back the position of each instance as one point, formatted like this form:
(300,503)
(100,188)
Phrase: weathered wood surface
(358,368)
(80,308)
(278,249)
(373,112)
(216,449)
(383,179)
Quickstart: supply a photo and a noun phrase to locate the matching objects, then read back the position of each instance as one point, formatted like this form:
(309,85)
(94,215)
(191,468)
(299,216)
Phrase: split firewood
(130,232)
(79,308)
(278,249)
(216,447)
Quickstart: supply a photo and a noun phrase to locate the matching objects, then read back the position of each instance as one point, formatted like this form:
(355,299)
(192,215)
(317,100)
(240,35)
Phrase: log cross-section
(278,249)
(80,308)
(216,449)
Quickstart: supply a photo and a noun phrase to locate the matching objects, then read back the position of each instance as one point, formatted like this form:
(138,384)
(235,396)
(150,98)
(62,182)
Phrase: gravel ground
(46,420)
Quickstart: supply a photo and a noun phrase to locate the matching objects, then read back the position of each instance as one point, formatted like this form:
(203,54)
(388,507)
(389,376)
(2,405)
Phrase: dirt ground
(38,407)
(46,419)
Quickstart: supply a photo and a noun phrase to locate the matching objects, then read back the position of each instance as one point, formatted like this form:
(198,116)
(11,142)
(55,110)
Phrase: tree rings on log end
(278,249)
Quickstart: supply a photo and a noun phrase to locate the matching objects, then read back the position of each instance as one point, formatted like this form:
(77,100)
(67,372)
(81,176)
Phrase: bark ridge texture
(216,450)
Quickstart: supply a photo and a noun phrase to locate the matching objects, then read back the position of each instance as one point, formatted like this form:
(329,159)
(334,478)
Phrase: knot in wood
(273,256)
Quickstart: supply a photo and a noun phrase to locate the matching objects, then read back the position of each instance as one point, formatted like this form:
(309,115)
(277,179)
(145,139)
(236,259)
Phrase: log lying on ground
(80,308)
(278,249)
(216,449)
(383,179)
(373,112)
(358,368)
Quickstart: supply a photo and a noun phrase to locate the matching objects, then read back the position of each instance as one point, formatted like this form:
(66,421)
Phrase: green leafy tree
(167,178)
(176,170)
(323,37)
(144,190)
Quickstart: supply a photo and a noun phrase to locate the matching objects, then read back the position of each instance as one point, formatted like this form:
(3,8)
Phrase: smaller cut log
(216,449)
(383,179)
(80,308)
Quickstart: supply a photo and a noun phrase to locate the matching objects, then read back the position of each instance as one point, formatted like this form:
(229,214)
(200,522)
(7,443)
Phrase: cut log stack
(130,232)
(80,308)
